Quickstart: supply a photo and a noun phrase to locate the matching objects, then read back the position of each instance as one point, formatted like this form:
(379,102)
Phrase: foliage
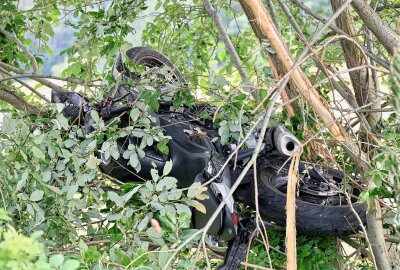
(51,182)
(49,176)
(21,252)
(313,252)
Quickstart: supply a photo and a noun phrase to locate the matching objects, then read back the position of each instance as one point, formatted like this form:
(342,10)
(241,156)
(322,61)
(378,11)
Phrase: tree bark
(362,82)
(291,213)
(264,27)
(229,46)
(365,92)
(339,31)
(262,23)
(16,101)
(376,236)
(386,35)
(277,68)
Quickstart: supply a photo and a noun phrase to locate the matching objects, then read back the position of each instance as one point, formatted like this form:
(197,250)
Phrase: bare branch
(33,76)
(388,237)
(291,212)
(9,96)
(32,58)
(41,80)
(228,44)
(389,6)
(386,35)
(307,10)
(33,90)
(267,28)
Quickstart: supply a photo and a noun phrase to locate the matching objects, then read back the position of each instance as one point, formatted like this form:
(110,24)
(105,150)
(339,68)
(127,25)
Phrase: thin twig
(228,45)
(13,37)
(307,10)
(41,80)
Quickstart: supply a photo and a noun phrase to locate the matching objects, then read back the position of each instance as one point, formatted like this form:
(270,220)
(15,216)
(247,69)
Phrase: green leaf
(154,175)
(167,167)
(167,183)
(36,196)
(69,143)
(38,153)
(70,264)
(363,197)
(156,238)
(158,5)
(135,113)
(378,180)
(193,190)
(105,146)
(95,116)
(182,208)
(46,176)
(56,260)
(164,256)
(114,217)
(71,192)
(92,255)
(118,200)
(144,222)
(22,182)
(63,121)
(54,189)
(4,215)
(129,195)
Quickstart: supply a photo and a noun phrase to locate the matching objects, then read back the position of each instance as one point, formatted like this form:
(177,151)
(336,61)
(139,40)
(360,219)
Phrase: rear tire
(311,218)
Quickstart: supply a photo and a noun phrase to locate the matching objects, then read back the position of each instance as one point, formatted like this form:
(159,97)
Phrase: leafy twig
(13,37)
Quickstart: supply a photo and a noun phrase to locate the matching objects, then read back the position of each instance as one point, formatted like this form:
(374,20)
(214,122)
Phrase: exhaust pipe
(285,142)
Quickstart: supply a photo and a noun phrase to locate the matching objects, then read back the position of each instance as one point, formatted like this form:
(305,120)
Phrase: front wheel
(321,207)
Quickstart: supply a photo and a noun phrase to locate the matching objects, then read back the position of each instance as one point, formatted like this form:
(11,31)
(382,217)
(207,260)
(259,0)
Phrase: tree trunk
(365,92)
(263,26)
(377,237)
(276,65)
(256,14)
(389,39)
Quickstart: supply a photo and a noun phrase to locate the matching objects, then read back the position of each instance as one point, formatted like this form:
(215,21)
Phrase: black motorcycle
(198,156)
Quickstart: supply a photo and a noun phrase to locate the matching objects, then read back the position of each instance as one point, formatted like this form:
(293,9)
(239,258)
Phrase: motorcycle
(198,156)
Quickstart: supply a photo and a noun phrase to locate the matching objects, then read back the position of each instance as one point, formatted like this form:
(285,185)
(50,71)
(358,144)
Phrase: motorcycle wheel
(315,214)
(148,58)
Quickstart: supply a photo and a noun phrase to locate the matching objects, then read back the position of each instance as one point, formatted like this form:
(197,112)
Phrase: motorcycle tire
(143,56)
(311,218)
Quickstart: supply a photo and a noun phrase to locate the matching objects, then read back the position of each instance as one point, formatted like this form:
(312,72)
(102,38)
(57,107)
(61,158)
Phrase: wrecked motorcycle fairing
(195,159)
(191,155)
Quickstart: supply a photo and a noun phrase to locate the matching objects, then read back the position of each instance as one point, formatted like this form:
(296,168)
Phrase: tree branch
(307,10)
(383,7)
(9,96)
(266,26)
(32,58)
(360,159)
(228,44)
(41,80)
(389,38)
(33,90)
